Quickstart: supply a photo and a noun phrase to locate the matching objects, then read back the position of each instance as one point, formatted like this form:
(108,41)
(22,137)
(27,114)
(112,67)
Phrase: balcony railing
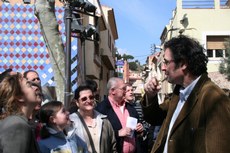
(198,4)
(224,4)
(203,4)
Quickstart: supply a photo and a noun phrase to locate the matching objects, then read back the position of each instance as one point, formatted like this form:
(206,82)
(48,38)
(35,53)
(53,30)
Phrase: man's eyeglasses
(124,88)
(83,99)
(38,79)
(167,62)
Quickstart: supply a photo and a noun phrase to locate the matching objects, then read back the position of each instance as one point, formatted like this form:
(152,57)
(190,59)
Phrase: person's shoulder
(73,116)
(46,141)
(103,102)
(211,87)
(15,127)
(16,118)
(130,105)
(15,121)
(102,105)
(100,115)
(44,144)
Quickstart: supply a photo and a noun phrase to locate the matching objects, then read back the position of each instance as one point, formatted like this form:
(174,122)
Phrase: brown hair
(10,91)
(47,110)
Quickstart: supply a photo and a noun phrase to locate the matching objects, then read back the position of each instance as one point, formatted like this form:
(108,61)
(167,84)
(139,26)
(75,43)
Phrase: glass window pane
(210,53)
(219,53)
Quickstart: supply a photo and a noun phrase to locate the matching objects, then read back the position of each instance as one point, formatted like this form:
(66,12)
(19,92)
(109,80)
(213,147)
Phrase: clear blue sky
(140,24)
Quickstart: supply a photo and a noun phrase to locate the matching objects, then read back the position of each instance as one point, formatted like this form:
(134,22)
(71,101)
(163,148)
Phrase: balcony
(108,59)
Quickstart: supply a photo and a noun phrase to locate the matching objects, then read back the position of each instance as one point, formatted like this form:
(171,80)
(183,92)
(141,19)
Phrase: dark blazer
(105,108)
(17,136)
(203,125)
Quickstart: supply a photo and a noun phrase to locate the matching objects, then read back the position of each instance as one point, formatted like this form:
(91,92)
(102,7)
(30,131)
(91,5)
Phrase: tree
(45,12)
(117,54)
(127,57)
(227,46)
(133,66)
(224,67)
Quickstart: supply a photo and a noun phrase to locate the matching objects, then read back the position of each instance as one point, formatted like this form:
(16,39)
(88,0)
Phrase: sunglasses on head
(83,99)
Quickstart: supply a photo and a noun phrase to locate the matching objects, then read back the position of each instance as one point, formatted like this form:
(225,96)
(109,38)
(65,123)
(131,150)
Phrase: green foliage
(228,64)
(227,59)
(227,45)
(127,57)
(117,55)
(133,66)
(222,68)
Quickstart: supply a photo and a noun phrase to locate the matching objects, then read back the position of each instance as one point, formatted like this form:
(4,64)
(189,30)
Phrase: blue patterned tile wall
(22,46)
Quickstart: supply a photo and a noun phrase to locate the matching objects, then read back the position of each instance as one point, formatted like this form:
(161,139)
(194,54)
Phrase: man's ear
(183,64)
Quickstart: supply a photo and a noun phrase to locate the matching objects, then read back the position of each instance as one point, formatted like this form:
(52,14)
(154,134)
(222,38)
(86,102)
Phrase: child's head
(54,115)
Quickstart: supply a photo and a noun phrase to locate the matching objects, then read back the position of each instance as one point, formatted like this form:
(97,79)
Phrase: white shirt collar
(185,92)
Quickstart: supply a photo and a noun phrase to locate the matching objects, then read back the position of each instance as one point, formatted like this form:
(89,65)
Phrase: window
(216,53)
(216,47)
(219,53)
(210,53)
(109,40)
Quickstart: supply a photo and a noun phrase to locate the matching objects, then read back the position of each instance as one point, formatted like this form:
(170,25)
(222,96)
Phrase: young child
(53,137)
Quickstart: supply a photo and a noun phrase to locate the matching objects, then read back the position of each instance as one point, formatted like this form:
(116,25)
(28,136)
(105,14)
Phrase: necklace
(93,124)
(92,128)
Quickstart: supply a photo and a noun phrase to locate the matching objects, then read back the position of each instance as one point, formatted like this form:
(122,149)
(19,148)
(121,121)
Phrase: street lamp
(83,5)
(73,24)
(89,31)
(76,25)
(89,7)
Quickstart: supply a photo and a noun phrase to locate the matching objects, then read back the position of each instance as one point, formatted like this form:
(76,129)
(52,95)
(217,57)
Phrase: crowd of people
(194,118)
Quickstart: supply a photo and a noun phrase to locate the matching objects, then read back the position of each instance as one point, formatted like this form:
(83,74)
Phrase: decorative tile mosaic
(22,46)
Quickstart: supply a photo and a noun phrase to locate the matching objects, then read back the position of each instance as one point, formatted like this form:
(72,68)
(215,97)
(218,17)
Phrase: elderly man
(118,111)
(196,118)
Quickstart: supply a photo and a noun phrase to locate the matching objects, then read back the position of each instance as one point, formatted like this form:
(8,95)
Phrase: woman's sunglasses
(83,99)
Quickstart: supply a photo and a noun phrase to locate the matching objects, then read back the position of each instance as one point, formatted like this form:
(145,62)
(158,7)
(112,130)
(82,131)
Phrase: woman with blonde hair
(18,97)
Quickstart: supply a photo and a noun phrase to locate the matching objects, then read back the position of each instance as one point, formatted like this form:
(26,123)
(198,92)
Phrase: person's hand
(124,132)
(139,128)
(152,87)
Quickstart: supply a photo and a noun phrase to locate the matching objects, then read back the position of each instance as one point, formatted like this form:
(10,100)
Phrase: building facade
(22,46)
(98,58)
(206,21)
